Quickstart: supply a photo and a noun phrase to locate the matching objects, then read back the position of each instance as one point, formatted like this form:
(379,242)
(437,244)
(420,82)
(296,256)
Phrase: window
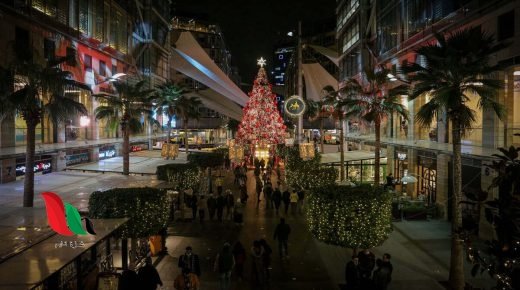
(350,37)
(346,13)
(98,14)
(102,68)
(49,48)
(387,32)
(114,69)
(506,25)
(87,61)
(83,16)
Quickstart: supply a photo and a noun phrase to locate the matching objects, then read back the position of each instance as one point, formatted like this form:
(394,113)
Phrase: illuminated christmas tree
(261,123)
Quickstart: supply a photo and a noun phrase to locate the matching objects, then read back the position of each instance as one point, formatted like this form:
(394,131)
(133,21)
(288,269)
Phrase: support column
(7,170)
(61,161)
(390,155)
(7,132)
(411,188)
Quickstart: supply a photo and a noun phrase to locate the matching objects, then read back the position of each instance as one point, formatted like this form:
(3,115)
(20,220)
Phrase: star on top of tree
(261,62)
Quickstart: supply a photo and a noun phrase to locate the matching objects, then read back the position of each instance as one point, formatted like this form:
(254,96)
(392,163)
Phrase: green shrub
(147,209)
(181,176)
(306,174)
(206,159)
(351,217)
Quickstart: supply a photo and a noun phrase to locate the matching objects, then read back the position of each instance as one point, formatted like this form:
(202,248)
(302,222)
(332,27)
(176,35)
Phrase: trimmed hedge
(182,176)
(206,159)
(147,208)
(351,217)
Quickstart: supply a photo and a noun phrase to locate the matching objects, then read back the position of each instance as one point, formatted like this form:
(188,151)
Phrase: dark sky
(252,28)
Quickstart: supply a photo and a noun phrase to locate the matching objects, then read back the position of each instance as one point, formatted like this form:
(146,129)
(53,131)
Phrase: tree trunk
(456,279)
(135,253)
(321,136)
(377,154)
(186,136)
(124,254)
(126,150)
(341,155)
(169,129)
(28,182)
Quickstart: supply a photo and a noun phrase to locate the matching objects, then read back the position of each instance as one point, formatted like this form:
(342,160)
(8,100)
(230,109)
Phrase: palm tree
(187,108)
(42,90)
(168,94)
(316,110)
(456,70)
(375,101)
(340,112)
(126,109)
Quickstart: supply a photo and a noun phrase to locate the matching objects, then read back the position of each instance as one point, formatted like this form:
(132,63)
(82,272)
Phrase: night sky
(252,28)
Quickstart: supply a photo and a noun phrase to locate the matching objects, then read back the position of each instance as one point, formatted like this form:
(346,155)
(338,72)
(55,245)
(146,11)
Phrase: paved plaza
(420,249)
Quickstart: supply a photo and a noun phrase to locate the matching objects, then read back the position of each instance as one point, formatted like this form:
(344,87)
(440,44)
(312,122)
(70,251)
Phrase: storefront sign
(41,166)
(76,159)
(401,156)
(295,106)
(107,152)
(135,148)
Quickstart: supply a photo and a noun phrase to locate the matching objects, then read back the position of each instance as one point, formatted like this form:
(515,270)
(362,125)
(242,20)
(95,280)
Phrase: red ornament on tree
(261,122)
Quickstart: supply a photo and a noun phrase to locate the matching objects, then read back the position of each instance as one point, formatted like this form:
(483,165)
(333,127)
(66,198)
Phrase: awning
(327,52)
(192,60)
(219,103)
(316,78)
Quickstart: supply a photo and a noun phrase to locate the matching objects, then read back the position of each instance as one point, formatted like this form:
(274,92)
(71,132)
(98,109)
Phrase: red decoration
(261,123)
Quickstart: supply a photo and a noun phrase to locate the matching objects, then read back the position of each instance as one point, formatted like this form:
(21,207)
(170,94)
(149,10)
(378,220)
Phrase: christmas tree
(261,123)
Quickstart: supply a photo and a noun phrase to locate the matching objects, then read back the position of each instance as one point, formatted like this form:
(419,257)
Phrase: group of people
(221,205)
(365,272)
(229,260)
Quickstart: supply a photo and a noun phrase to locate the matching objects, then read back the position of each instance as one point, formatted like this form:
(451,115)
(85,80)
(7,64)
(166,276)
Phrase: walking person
(388,265)
(301,197)
(259,188)
(148,276)
(186,281)
(190,261)
(389,181)
(224,264)
(219,181)
(202,205)
(352,274)
(281,233)
(257,264)
(267,258)
(212,206)
(286,198)
(243,194)
(277,199)
(221,202)
(239,253)
(268,195)
(367,262)
(381,276)
(193,205)
(294,201)
(230,203)
(238,215)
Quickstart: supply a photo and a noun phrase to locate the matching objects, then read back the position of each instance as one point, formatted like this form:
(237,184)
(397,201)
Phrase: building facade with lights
(388,36)
(98,40)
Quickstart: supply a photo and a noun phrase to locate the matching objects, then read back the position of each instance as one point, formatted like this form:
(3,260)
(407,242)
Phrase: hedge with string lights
(306,174)
(351,217)
(147,208)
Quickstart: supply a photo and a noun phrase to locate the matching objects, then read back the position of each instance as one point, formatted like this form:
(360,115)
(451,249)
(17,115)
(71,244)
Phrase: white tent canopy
(316,78)
(327,52)
(219,103)
(192,60)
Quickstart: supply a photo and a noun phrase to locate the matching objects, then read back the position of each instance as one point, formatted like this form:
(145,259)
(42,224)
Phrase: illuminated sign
(41,166)
(107,152)
(295,106)
(76,159)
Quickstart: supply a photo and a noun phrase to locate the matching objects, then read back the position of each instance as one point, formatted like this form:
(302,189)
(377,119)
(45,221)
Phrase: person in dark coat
(352,274)
(224,264)
(389,181)
(212,206)
(148,276)
(190,261)
(367,262)
(230,203)
(388,264)
(129,280)
(286,198)
(221,203)
(243,194)
(239,252)
(267,257)
(277,199)
(381,276)
(259,187)
(268,195)
(281,233)
(194,200)
(257,263)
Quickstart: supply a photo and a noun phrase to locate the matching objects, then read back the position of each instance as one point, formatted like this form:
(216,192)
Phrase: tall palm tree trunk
(456,278)
(186,136)
(341,155)
(169,129)
(126,150)
(321,135)
(377,125)
(28,182)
